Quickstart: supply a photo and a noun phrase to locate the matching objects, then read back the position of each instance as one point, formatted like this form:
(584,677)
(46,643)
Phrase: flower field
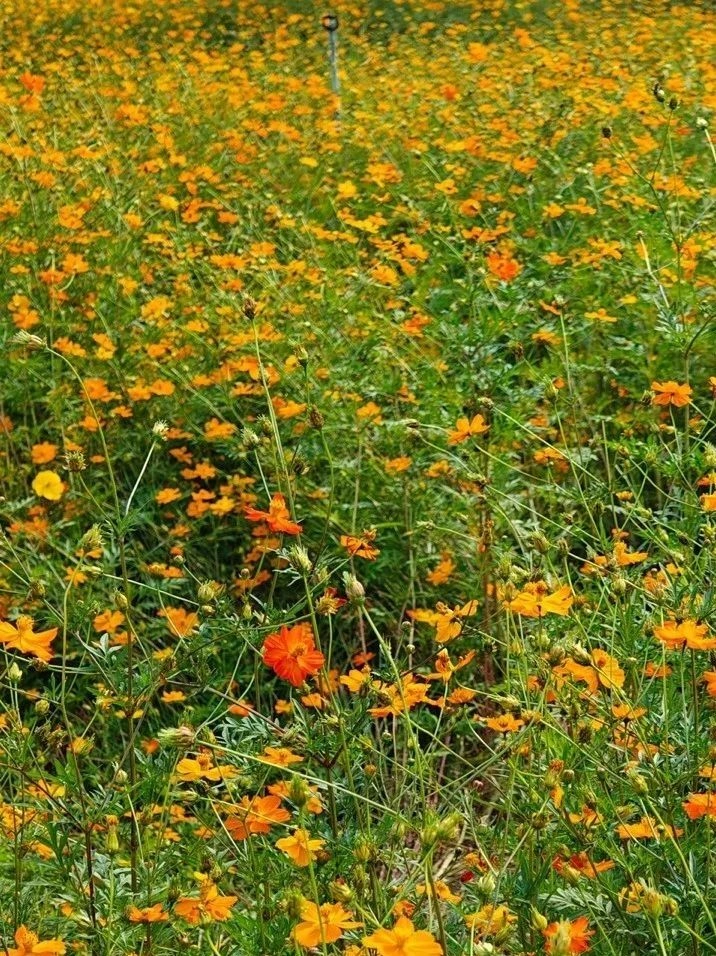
(357,478)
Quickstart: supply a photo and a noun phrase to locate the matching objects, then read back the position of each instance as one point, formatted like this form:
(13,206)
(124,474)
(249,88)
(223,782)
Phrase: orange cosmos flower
(536,601)
(647,829)
(708,502)
(279,757)
(677,635)
(699,805)
(568,937)
(709,678)
(32,82)
(28,942)
(580,863)
(502,267)
(180,622)
(43,453)
(671,393)
(299,847)
(149,914)
(403,940)
(208,906)
(504,723)
(256,815)
(444,619)
(322,925)
(292,654)
(202,767)
(467,428)
(609,673)
(361,546)
(277,518)
(21,637)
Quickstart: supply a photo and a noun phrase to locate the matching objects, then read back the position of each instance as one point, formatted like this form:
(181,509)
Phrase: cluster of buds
(438,831)
(639,897)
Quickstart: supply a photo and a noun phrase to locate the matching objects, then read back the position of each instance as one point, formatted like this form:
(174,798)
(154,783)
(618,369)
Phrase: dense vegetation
(358,476)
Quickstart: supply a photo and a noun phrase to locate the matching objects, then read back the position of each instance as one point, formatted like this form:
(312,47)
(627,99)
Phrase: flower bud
(28,340)
(340,891)
(178,738)
(355,592)
(112,840)
(299,559)
(315,418)
(208,591)
(364,851)
(92,540)
(486,885)
(14,673)
(299,792)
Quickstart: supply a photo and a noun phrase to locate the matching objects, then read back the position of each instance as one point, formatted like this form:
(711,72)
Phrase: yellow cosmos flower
(49,485)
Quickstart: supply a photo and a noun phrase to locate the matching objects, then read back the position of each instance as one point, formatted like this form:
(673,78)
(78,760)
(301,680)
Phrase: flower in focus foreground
(292,654)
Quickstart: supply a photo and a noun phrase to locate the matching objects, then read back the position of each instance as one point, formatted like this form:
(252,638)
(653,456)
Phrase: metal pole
(330,25)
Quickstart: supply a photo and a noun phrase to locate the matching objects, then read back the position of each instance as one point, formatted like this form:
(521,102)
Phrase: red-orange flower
(568,937)
(699,805)
(277,518)
(292,653)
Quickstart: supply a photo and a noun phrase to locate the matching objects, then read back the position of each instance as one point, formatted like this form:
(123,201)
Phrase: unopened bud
(14,673)
(178,738)
(355,592)
(299,559)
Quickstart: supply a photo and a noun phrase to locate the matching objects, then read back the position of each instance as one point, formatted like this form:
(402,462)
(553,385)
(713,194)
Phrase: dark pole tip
(329,22)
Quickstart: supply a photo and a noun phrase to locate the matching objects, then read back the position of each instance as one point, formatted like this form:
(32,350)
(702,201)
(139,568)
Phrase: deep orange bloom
(568,937)
(709,678)
(671,393)
(292,654)
(580,863)
(699,805)
(277,518)
(148,914)
(502,267)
